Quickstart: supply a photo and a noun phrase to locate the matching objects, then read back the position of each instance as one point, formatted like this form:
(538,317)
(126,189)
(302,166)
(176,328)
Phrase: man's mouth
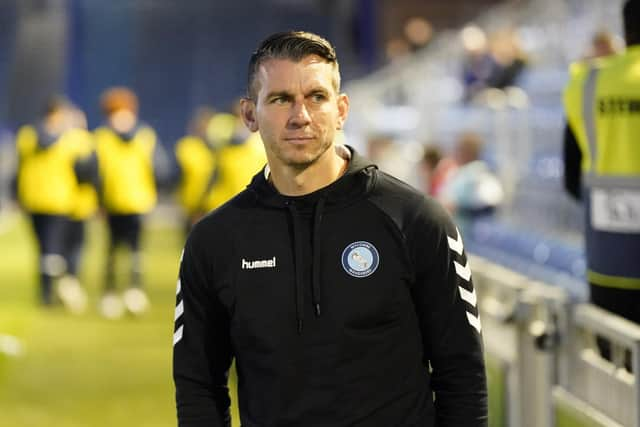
(298,139)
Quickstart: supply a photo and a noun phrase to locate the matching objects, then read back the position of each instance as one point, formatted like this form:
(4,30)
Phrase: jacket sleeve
(165,171)
(572,157)
(446,305)
(86,170)
(201,344)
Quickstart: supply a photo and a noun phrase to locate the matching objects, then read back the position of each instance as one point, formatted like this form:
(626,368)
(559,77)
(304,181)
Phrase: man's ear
(248,113)
(343,110)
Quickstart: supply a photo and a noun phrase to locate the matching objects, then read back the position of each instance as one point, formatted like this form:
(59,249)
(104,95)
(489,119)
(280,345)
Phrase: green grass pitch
(85,371)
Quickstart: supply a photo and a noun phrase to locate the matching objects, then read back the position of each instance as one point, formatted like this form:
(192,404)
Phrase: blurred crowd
(67,175)
(461,180)
(494,61)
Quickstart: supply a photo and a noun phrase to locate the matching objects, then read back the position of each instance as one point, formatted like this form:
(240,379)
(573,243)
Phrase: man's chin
(299,163)
(301,159)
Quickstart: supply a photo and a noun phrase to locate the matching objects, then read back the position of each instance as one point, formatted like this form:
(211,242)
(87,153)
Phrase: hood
(45,138)
(128,135)
(353,185)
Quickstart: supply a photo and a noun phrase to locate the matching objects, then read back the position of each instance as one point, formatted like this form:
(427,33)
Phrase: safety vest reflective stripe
(588,114)
(610,281)
(611,182)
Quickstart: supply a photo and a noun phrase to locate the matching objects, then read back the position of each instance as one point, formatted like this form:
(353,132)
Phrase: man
(343,294)
(130,162)
(48,185)
(196,159)
(602,166)
(472,191)
(86,205)
(240,155)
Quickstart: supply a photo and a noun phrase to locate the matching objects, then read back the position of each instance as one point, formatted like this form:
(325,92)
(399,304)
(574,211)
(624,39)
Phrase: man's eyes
(315,98)
(281,100)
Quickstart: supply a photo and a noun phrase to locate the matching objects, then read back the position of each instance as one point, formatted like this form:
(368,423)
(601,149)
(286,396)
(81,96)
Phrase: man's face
(296,109)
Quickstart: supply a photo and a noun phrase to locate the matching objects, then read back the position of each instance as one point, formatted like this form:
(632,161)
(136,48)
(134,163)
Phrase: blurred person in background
(435,169)
(602,168)
(131,163)
(509,60)
(49,180)
(240,154)
(343,294)
(473,191)
(494,63)
(85,207)
(603,44)
(196,157)
(477,64)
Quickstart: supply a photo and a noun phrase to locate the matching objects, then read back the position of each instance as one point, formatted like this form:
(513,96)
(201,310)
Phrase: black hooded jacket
(349,306)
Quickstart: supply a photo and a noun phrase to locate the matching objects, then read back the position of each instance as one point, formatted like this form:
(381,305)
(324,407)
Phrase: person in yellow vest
(129,159)
(602,167)
(217,163)
(196,158)
(85,207)
(240,154)
(47,187)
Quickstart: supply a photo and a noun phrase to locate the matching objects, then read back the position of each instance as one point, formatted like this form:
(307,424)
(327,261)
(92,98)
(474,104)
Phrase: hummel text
(262,263)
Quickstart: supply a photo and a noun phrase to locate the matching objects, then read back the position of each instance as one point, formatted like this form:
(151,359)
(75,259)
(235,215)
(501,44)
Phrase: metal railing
(544,367)
(608,387)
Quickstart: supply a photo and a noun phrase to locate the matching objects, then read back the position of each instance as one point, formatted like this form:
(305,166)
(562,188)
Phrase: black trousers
(74,245)
(622,302)
(124,231)
(50,231)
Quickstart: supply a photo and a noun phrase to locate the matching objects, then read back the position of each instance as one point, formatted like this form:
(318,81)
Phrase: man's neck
(298,182)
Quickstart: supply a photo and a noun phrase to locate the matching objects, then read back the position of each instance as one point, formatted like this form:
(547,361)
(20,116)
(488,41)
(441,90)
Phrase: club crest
(360,259)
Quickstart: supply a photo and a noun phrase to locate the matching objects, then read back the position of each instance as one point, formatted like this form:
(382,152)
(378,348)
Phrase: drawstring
(299,267)
(297,257)
(315,281)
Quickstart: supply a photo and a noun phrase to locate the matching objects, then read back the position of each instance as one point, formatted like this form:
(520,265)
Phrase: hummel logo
(261,263)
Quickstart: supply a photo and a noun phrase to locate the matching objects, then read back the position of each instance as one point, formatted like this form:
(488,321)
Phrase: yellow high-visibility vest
(47,183)
(603,99)
(126,171)
(196,160)
(602,104)
(236,165)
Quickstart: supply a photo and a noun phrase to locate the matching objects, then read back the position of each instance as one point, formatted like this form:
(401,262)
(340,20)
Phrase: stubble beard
(299,164)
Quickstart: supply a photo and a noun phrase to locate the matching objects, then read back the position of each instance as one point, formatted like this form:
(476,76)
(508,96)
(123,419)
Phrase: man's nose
(299,115)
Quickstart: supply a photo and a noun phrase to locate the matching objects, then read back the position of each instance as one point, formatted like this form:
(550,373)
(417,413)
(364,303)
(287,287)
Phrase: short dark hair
(118,98)
(432,156)
(631,18)
(55,103)
(292,45)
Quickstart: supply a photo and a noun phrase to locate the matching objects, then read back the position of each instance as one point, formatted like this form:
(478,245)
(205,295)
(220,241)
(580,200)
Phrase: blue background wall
(176,55)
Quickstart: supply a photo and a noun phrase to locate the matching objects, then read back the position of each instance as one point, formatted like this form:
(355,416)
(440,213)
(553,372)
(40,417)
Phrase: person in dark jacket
(344,295)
